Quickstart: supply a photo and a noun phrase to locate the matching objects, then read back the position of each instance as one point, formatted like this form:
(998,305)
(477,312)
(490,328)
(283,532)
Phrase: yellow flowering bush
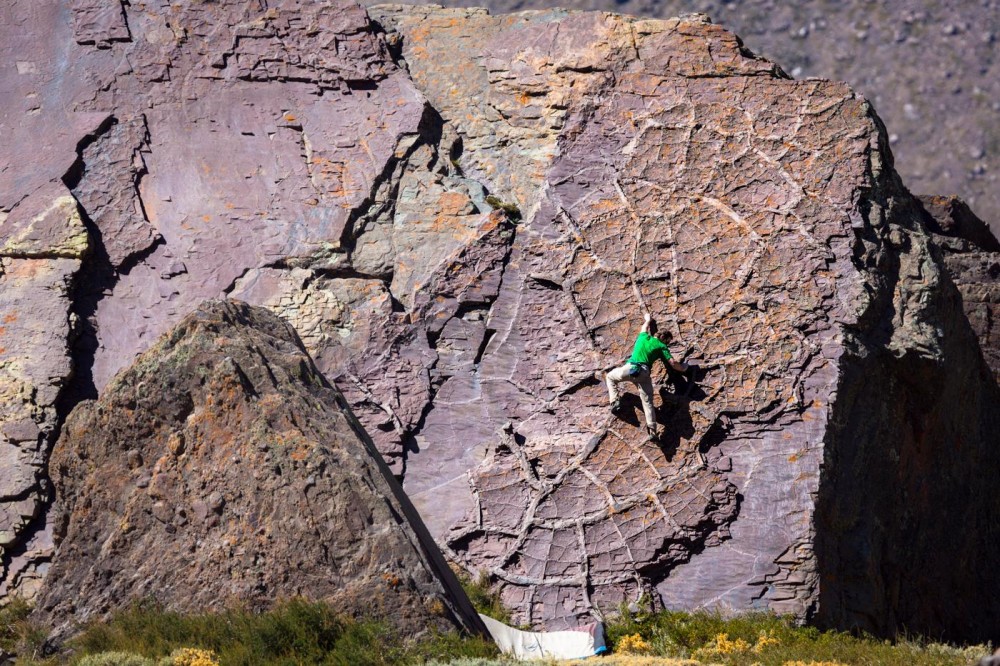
(193,657)
(723,645)
(764,640)
(633,644)
(813,663)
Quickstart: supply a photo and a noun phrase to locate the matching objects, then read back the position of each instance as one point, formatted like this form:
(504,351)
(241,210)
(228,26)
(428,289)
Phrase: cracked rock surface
(221,467)
(464,216)
(930,68)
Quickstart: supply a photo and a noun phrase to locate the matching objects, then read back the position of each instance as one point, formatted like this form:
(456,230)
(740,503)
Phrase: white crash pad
(577,643)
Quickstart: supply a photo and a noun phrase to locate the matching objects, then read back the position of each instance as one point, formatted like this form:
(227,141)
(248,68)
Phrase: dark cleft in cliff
(222,468)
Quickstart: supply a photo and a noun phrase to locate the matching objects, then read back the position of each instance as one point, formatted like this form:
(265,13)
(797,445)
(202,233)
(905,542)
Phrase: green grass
(511,209)
(300,632)
(18,634)
(485,599)
(295,632)
(697,636)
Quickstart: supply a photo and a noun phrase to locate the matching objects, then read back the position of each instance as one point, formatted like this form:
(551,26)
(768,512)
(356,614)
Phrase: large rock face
(223,468)
(931,69)
(337,169)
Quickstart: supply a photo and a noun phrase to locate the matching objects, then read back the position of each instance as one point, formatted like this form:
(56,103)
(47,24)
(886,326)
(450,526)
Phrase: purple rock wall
(464,217)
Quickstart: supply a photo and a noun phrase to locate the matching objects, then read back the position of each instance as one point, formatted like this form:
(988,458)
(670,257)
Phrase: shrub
(115,659)
(191,657)
(485,599)
(294,632)
(19,634)
(633,644)
(301,632)
(472,661)
(723,646)
(769,640)
(513,212)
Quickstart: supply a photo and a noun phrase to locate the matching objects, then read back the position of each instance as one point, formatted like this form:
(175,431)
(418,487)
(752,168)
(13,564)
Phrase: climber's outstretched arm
(645,324)
(677,365)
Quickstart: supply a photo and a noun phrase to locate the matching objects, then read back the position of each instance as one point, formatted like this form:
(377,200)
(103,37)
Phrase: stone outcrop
(222,468)
(466,215)
(931,69)
(693,180)
(42,245)
(972,257)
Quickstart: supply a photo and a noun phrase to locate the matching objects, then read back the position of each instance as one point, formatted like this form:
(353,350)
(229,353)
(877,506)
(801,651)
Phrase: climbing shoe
(616,407)
(651,435)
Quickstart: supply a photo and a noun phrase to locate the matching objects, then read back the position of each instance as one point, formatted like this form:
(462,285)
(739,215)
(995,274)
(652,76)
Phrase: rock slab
(222,468)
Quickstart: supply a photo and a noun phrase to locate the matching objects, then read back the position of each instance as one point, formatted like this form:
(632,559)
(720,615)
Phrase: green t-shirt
(648,350)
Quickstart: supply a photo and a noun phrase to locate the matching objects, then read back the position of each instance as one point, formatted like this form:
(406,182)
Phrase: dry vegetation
(300,632)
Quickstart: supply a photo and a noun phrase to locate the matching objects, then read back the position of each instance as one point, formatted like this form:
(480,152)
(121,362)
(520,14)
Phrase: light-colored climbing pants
(640,379)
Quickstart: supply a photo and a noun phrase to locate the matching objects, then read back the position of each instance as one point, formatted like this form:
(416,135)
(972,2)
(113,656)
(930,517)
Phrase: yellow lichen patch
(453,203)
(301,453)
(605,205)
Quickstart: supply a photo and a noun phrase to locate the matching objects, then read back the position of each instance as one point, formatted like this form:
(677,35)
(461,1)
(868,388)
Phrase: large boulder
(222,468)
(464,216)
(176,146)
(661,166)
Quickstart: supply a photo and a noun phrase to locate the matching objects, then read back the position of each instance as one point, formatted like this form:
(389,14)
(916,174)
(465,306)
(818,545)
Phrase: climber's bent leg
(645,383)
(615,377)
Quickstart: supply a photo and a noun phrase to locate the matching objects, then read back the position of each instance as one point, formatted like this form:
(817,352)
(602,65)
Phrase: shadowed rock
(221,468)
(972,256)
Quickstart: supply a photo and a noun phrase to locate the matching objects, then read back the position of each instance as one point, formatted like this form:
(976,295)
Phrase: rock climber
(649,347)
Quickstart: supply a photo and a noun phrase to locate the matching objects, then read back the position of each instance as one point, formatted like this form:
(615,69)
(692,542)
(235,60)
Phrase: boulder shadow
(677,392)
(631,410)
